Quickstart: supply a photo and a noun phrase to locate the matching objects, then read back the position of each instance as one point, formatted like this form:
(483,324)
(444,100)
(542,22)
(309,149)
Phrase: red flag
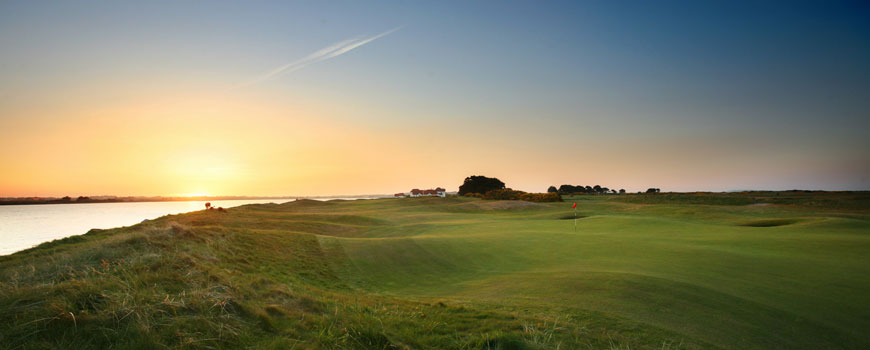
(574,206)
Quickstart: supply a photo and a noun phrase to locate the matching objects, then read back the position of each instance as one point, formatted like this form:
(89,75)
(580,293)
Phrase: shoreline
(174,199)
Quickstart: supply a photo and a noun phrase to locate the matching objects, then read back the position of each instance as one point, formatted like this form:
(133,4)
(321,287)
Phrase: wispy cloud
(324,54)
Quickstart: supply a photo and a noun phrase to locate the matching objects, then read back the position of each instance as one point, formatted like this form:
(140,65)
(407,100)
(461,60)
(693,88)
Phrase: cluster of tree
(653,190)
(570,189)
(480,184)
(67,199)
(492,188)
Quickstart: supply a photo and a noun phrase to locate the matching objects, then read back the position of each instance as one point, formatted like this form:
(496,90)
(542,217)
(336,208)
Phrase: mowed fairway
(693,269)
(658,271)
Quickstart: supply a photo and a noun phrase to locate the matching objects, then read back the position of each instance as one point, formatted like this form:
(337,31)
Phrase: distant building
(438,192)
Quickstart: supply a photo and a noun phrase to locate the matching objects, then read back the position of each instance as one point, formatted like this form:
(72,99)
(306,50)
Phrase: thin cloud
(321,55)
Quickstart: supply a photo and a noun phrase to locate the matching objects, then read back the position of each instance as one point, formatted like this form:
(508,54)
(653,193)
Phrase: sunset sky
(327,98)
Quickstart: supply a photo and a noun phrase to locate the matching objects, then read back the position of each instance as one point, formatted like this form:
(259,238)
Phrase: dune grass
(641,272)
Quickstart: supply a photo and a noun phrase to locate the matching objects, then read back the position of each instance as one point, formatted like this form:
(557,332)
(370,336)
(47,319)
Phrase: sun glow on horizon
(298,108)
(196,194)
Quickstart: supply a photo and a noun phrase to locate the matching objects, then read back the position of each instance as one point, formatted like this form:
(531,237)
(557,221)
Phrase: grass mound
(494,205)
(686,198)
(309,203)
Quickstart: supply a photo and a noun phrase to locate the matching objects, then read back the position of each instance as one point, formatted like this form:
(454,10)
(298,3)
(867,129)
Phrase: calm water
(24,226)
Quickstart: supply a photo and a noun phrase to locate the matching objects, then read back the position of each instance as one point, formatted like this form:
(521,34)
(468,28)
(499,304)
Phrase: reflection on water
(24,226)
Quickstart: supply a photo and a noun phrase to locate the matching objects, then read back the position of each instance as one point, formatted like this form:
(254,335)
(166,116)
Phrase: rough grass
(456,273)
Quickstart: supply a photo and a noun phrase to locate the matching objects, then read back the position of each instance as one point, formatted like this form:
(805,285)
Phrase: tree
(552,189)
(613,191)
(207,205)
(568,189)
(588,189)
(652,190)
(596,189)
(621,191)
(480,184)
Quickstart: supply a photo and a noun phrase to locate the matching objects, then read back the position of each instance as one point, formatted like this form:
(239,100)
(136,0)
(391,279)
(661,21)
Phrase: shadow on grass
(571,217)
(768,223)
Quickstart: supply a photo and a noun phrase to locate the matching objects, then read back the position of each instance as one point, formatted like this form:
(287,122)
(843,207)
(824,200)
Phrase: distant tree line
(571,189)
(597,189)
(114,199)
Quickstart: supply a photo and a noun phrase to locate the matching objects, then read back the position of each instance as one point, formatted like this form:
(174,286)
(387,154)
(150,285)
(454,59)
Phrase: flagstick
(575,219)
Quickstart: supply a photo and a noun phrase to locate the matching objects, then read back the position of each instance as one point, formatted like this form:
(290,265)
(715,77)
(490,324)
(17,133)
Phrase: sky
(349,97)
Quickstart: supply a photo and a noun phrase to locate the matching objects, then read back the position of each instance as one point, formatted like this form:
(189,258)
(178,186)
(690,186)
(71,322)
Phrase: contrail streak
(324,54)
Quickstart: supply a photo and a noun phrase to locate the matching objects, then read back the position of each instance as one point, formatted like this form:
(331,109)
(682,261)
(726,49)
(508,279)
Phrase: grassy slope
(639,272)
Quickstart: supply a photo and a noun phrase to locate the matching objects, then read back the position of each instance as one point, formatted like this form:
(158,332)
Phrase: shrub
(506,194)
(509,194)
(541,197)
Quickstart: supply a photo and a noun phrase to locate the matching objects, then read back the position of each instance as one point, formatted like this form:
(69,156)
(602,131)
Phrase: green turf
(759,270)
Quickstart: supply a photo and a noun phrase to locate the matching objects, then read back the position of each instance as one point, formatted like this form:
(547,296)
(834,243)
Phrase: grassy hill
(690,271)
